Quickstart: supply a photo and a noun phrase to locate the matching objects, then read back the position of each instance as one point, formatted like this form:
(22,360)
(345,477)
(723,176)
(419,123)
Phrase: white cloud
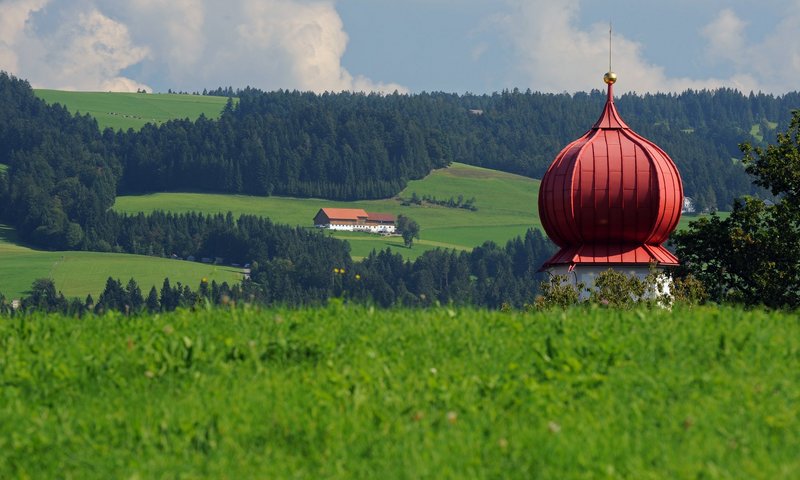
(556,55)
(725,35)
(174,28)
(188,44)
(300,44)
(14,17)
(771,64)
(92,53)
(88,51)
(308,38)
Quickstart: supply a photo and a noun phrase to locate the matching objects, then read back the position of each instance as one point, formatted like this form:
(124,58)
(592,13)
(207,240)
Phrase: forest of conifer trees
(63,174)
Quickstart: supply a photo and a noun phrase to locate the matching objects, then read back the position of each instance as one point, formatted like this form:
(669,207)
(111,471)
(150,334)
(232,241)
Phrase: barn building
(355,220)
(610,199)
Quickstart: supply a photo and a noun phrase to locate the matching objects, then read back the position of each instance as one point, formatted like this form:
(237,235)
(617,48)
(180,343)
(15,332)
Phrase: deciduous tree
(408,228)
(753,256)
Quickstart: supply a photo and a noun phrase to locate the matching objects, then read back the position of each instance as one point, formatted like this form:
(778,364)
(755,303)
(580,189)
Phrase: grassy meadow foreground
(77,274)
(351,392)
(134,110)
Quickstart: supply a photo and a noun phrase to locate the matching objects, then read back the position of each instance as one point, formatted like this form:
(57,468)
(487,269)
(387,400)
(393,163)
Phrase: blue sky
(481,46)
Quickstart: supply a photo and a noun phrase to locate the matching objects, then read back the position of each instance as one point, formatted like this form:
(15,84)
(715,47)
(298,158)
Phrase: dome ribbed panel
(670,194)
(611,197)
(555,195)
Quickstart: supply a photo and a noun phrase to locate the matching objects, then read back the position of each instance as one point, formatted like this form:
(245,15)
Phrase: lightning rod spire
(609,46)
(610,77)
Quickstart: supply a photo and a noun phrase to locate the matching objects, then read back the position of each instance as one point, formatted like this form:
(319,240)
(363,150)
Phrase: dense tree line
(128,299)
(346,146)
(452,202)
(63,175)
(488,276)
(61,182)
(241,240)
(292,264)
(353,145)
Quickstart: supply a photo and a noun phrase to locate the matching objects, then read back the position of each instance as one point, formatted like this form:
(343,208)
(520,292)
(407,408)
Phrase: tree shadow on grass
(397,245)
(9,235)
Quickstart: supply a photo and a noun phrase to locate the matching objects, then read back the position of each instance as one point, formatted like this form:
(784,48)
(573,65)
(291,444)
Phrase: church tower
(610,199)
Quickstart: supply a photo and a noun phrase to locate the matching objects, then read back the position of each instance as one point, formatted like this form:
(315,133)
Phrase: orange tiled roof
(344,213)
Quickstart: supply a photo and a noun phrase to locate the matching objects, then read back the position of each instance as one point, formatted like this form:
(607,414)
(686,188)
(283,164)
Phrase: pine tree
(168,300)
(152,303)
(134,294)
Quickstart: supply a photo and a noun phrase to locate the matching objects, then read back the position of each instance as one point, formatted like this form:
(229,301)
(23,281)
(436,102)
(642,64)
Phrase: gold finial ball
(610,77)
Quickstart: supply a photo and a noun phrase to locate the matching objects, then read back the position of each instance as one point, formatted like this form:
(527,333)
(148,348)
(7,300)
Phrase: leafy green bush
(689,290)
(559,292)
(617,289)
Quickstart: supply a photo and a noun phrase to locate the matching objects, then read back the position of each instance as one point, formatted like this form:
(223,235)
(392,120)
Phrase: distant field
(134,110)
(686,219)
(757,130)
(77,274)
(3,167)
(506,209)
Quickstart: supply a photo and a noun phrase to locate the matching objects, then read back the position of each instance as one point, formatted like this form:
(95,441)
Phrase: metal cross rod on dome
(609,46)
(610,77)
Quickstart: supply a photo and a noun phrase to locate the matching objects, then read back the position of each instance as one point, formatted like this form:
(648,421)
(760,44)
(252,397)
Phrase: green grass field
(348,392)
(134,110)
(3,167)
(688,218)
(506,209)
(755,131)
(758,131)
(77,274)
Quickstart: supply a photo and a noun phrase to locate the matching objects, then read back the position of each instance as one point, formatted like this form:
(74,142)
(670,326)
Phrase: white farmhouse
(355,220)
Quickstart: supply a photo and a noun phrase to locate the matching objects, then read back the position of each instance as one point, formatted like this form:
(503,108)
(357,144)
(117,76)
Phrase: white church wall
(587,275)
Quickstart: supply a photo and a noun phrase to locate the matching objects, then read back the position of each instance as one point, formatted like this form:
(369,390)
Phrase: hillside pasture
(77,274)
(352,392)
(134,110)
(686,219)
(506,209)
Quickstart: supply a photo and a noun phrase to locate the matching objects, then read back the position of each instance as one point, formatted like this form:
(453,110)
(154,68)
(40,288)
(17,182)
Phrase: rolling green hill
(77,274)
(506,208)
(134,110)
(442,393)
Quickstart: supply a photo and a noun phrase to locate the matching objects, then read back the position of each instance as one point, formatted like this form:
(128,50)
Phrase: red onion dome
(611,196)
